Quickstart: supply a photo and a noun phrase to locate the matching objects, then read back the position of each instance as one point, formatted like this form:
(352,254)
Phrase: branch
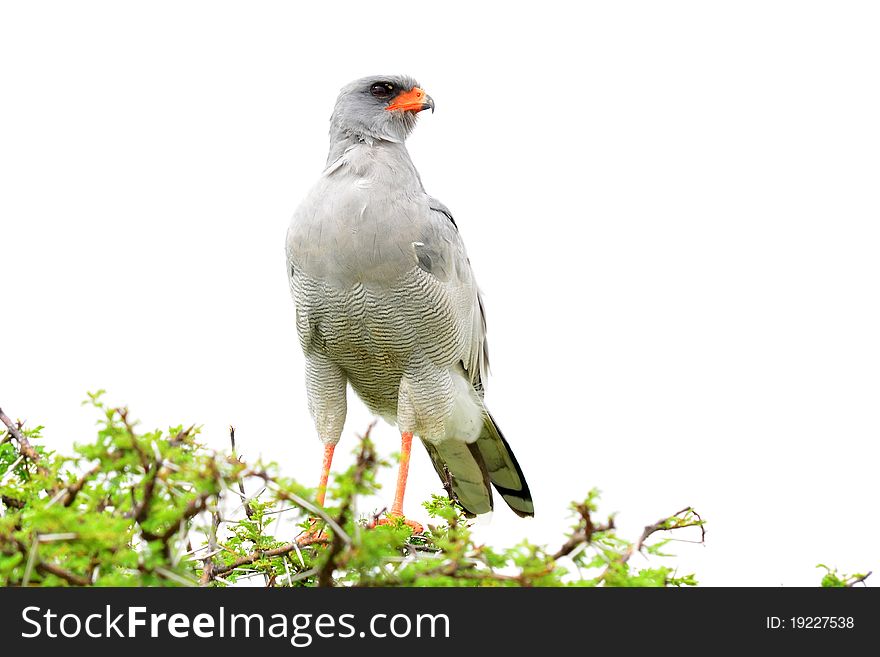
(15,432)
(859,579)
(209,568)
(24,446)
(299,501)
(466,570)
(129,427)
(256,555)
(139,514)
(675,521)
(45,567)
(182,436)
(12,502)
(584,535)
(66,575)
(249,512)
(74,488)
(195,506)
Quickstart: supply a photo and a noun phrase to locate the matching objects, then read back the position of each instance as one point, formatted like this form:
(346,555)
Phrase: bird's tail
(468,469)
(503,469)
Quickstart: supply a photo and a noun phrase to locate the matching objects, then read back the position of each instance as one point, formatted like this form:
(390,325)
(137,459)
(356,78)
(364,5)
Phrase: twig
(859,579)
(11,502)
(74,488)
(32,558)
(585,535)
(301,502)
(182,436)
(11,469)
(66,575)
(675,521)
(174,577)
(303,575)
(208,572)
(195,506)
(24,446)
(139,514)
(58,536)
(249,512)
(668,524)
(15,432)
(129,427)
(466,570)
(256,555)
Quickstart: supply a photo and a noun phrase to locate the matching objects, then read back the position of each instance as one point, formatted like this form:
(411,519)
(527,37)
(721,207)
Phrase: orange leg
(325,472)
(406,439)
(402,473)
(312,536)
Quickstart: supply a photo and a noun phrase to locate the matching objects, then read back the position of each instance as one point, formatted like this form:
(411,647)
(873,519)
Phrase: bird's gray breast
(375,283)
(357,229)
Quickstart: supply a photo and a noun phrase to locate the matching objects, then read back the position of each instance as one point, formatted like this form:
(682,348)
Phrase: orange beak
(414,100)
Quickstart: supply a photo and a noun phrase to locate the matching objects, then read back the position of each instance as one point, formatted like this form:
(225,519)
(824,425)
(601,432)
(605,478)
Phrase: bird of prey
(386,302)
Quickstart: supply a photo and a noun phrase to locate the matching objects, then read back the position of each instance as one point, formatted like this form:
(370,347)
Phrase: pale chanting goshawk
(386,302)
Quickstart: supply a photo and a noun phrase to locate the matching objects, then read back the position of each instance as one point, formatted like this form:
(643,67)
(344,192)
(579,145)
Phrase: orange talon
(311,536)
(392,520)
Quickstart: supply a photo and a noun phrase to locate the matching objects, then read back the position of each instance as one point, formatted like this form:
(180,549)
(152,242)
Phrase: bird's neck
(341,140)
(372,158)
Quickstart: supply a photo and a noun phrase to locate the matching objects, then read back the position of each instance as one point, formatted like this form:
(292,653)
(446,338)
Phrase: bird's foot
(394,519)
(313,536)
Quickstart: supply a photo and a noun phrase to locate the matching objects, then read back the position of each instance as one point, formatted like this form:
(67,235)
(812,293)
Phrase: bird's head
(380,107)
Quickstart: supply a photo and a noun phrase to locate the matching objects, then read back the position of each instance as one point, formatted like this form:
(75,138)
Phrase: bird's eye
(382,90)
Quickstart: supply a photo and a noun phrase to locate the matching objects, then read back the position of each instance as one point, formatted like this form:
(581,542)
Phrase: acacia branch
(583,535)
(249,512)
(195,506)
(256,555)
(139,514)
(45,567)
(675,521)
(299,501)
(74,488)
(213,548)
(69,577)
(182,436)
(859,579)
(15,432)
(12,502)
(24,445)
(129,428)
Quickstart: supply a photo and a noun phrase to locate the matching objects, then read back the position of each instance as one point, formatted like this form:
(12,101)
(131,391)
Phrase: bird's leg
(312,536)
(406,439)
(325,472)
(402,472)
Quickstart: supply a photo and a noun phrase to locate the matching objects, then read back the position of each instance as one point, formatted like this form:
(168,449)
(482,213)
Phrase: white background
(672,209)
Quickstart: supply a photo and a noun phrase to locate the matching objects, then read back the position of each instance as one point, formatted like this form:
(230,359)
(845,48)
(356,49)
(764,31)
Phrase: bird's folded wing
(446,258)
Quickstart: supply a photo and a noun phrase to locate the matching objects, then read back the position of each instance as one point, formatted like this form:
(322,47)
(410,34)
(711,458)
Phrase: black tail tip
(521,506)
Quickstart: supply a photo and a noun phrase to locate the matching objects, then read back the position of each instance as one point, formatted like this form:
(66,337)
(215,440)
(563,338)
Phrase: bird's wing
(447,258)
